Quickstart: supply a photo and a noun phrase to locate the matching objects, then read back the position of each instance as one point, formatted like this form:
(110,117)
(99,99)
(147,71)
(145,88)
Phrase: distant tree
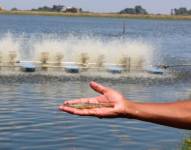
(14,9)
(73,10)
(136,10)
(182,11)
(58,8)
(45,8)
(140,10)
(128,11)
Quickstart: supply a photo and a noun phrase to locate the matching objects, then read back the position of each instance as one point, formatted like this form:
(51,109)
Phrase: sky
(152,6)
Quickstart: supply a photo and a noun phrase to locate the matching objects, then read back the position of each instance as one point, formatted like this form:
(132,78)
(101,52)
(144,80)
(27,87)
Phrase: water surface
(29,116)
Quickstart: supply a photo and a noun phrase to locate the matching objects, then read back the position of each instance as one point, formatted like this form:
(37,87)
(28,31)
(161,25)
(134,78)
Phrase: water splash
(9,48)
(112,51)
(77,49)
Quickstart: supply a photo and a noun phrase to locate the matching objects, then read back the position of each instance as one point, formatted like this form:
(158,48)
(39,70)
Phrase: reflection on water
(29,118)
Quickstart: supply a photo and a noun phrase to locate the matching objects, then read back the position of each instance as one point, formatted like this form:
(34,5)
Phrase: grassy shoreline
(88,14)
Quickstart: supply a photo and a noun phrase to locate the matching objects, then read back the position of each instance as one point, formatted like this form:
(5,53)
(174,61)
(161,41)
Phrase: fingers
(82,100)
(98,87)
(84,112)
(87,112)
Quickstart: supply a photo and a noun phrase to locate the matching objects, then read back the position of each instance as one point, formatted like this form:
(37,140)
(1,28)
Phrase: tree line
(181,11)
(59,8)
(138,9)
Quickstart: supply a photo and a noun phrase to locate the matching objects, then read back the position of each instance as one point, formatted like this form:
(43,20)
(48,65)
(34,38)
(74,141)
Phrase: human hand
(114,104)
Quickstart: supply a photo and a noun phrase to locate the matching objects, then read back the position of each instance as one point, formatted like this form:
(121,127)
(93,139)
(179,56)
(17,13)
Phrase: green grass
(186,145)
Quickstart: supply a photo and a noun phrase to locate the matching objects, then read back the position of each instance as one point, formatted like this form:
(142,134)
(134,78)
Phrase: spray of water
(86,49)
(94,50)
(9,49)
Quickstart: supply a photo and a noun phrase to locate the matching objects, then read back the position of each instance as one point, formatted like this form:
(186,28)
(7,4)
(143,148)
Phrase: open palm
(114,99)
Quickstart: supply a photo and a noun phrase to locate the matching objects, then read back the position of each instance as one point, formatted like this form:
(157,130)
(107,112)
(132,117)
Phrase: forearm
(175,114)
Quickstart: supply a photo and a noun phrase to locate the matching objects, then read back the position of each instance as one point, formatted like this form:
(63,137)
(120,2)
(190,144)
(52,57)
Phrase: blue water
(171,38)
(29,116)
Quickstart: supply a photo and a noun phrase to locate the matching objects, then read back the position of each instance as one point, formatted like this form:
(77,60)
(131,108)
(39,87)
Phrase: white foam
(8,44)
(71,48)
(113,50)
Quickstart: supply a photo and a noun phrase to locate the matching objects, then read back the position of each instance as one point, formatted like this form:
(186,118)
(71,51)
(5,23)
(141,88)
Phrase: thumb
(98,87)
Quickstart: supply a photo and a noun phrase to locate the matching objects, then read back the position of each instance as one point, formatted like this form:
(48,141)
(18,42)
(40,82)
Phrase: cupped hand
(118,104)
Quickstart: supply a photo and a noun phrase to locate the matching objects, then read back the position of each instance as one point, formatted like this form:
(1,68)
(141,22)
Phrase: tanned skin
(174,114)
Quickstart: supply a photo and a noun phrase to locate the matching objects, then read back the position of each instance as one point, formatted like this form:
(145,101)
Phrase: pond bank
(91,14)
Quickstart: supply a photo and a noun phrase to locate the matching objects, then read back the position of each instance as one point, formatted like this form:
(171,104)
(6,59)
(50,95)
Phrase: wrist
(131,109)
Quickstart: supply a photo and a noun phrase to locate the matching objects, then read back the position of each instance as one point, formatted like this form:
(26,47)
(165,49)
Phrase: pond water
(30,118)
